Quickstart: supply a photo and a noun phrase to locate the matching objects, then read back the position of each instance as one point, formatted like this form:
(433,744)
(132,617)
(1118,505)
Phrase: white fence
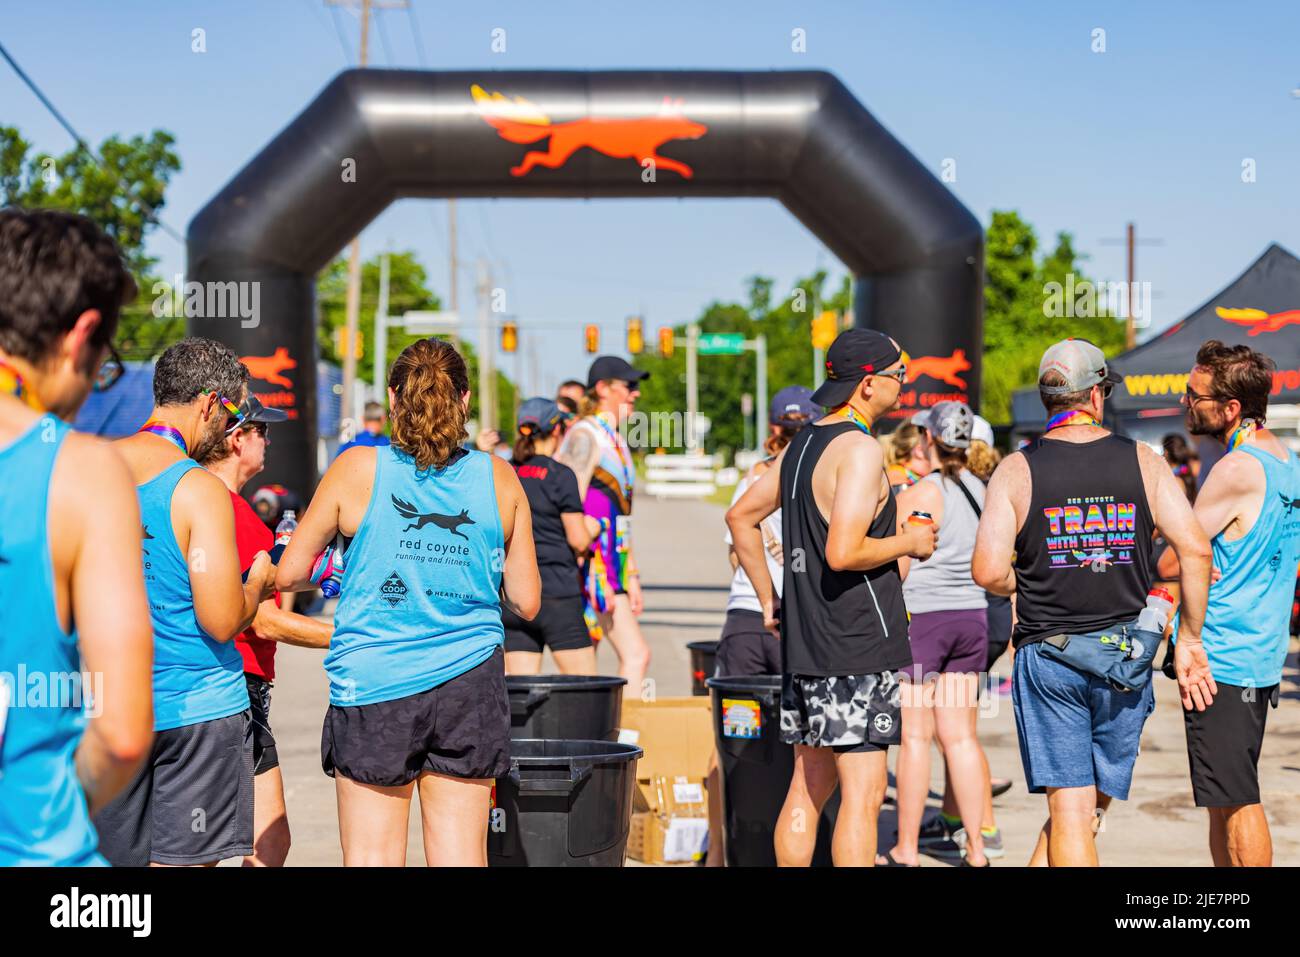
(681,476)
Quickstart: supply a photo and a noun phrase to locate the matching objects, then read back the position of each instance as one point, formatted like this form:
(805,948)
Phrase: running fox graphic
(517,120)
(943,368)
(268,368)
(1258,320)
(1097,559)
(451,523)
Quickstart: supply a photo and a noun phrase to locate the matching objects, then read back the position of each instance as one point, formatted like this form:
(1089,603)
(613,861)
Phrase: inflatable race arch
(376,136)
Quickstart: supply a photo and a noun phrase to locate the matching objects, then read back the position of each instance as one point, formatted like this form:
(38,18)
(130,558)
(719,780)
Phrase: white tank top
(742,594)
(943,582)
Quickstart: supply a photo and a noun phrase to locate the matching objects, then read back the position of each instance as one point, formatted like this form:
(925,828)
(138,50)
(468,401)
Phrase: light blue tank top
(43,815)
(420,602)
(195,679)
(1247,620)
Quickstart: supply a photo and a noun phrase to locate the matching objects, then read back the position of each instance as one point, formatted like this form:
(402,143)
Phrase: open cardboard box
(669,809)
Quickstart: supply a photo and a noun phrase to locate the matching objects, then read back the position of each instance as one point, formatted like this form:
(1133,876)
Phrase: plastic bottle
(1155,615)
(288,525)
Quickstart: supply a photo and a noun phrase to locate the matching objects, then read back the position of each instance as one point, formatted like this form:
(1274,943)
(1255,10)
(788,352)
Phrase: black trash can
(703,655)
(563,804)
(756,769)
(579,707)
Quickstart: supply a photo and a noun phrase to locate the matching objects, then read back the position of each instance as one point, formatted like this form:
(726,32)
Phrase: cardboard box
(670,807)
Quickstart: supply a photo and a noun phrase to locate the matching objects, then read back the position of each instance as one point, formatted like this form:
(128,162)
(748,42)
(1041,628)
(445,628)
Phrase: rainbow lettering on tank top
(1093,532)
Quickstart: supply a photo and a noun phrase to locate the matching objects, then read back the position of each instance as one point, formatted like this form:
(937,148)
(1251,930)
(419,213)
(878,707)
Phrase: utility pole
(1131,243)
(760,410)
(353,307)
(451,245)
(692,385)
(487,412)
(381,334)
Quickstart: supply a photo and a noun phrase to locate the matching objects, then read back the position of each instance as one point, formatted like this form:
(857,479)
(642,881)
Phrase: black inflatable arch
(799,137)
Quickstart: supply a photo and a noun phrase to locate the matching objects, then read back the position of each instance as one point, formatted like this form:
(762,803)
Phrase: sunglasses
(232,411)
(1194,397)
(110,372)
(261,428)
(900,374)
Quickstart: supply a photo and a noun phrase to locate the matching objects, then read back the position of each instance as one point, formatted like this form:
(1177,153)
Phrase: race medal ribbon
(1071,417)
(11,382)
(165,431)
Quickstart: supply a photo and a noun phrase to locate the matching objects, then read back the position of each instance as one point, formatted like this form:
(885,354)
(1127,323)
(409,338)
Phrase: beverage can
(921,518)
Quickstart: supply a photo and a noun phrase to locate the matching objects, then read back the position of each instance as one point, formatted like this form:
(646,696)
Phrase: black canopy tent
(1260,308)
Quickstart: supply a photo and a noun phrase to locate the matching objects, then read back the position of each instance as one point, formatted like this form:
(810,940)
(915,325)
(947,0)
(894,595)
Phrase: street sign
(721,344)
(428,323)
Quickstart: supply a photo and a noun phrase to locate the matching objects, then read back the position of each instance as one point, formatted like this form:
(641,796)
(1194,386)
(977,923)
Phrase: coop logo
(638,137)
(1257,320)
(393,590)
(943,368)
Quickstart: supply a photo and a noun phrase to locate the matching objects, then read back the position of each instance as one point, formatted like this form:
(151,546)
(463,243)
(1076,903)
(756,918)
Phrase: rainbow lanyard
(1242,434)
(854,416)
(626,478)
(11,383)
(1070,417)
(163,430)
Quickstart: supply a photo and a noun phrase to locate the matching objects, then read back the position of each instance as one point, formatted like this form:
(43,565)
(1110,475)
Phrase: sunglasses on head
(110,371)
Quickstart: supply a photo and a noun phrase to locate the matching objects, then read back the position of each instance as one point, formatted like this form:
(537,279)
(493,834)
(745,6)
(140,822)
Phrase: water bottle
(1155,615)
(327,571)
(288,525)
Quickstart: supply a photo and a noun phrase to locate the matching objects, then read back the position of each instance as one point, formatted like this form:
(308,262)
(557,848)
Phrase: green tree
(1021,319)
(116,190)
(408,291)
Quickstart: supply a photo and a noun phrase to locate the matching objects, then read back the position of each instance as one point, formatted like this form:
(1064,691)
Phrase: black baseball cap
(855,354)
(613,367)
(252,411)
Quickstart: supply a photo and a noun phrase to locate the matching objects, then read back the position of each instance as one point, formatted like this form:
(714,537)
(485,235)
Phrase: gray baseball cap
(951,423)
(1081,364)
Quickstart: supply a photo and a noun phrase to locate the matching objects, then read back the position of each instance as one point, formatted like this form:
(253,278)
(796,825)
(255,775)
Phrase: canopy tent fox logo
(451,523)
(1258,320)
(636,137)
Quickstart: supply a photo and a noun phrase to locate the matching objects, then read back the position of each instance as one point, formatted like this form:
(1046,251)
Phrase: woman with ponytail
(442,541)
(561,532)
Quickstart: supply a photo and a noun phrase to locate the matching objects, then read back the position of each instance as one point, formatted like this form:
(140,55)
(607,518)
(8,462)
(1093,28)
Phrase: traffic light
(509,337)
(666,341)
(340,340)
(592,335)
(635,341)
(824,329)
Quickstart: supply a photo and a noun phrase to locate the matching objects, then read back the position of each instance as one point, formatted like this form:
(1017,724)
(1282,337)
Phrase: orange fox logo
(943,368)
(517,120)
(268,368)
(1259,320)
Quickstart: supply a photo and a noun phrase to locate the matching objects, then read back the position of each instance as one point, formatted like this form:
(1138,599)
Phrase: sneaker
(992,843)
(936,838)
(1004,688)
(1000,786)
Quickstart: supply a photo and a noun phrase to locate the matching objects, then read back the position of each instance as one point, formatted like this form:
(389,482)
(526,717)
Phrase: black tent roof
(1260,308)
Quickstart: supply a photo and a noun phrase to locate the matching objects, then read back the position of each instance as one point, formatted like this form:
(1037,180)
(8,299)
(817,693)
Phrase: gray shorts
(191,803)
(847,712)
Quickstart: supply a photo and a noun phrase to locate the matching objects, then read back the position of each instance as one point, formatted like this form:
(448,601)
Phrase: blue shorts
(1075,730)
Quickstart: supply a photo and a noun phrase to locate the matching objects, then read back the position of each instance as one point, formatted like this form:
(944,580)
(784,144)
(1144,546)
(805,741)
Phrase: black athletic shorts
(191,803)
(558,626)
(265,757)
(461,729)
(747,648)
(1223,744)
(848,713)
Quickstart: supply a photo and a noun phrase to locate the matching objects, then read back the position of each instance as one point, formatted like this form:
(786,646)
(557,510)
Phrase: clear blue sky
(1153,130)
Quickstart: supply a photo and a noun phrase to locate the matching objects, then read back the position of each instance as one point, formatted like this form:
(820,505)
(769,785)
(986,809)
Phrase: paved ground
(683,563)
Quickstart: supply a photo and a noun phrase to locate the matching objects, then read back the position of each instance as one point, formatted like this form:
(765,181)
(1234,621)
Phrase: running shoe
(936,838)
(992,843)
(1000,786)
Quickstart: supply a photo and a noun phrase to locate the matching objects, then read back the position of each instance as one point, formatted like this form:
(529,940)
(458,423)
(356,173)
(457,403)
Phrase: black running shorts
(265,757)
(191,803)
(461,729)
(558,626)
(1223,745)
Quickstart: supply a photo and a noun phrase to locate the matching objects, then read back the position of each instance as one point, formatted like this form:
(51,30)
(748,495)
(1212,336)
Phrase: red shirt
(251,537)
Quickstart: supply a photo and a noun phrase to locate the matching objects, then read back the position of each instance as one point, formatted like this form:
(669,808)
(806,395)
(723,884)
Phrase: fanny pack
(1122,655)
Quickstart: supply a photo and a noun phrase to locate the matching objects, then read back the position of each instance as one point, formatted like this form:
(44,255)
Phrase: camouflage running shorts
(850,712)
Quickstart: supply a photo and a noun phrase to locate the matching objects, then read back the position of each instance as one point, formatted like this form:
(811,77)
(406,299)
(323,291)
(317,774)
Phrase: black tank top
(1083,557)
(834,622)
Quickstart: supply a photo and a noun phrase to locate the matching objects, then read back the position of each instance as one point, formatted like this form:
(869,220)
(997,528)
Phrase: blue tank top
(195,679)
(1248,618)
(420,602)
(43,815)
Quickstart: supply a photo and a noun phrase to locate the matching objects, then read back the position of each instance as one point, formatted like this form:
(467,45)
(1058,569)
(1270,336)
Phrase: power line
(415,34)
(338,29)
(383,39)
(151,214)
